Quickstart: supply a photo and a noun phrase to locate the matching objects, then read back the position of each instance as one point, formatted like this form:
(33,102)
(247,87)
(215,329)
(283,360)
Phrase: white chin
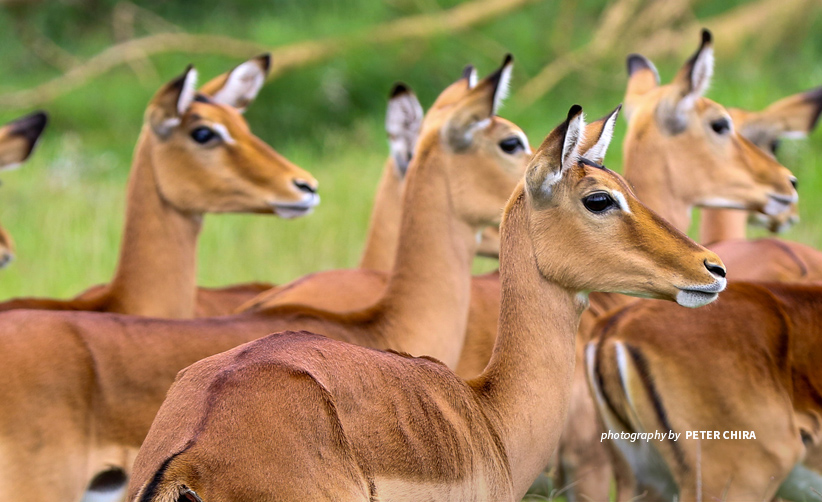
(289,213)
(775,207)
(693,299)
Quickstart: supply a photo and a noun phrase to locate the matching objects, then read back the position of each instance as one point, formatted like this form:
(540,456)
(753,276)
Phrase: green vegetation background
(65,206)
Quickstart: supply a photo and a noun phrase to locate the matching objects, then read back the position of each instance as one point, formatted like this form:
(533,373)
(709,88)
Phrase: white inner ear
(651,67)
(703,71)
(503,88)
(242,85)
(597,152)
(402,123)
(187,93)
(701,75)
(472,78)
(574,136)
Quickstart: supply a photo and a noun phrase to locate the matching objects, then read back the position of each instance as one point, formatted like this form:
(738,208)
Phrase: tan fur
(174,182)
(333,420)
(748,362)
(674,161)
(725,230)
(17,141)
(117,354)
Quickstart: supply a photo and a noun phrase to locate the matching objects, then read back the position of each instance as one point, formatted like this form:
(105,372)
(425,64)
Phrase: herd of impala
(407,378)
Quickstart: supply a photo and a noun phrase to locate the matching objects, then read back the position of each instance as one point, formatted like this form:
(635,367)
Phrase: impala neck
(527,383)
(428,292)
(649,171)
(156,273)
(718,225)
(384,228)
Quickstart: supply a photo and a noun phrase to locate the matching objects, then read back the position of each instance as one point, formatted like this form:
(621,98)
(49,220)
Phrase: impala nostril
(794,183)
(304,187)
(715,269)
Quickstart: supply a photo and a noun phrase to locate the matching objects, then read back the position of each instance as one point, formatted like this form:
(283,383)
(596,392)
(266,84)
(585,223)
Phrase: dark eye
(511,145)
(598,202)
(721,126)
(203,135)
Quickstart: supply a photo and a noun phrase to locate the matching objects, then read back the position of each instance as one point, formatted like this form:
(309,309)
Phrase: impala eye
(203,135)
(511,145)
(598,202)
(721,126)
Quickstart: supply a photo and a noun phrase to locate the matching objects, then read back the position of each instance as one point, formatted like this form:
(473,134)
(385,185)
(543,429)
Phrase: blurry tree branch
(284,58)
(665,27)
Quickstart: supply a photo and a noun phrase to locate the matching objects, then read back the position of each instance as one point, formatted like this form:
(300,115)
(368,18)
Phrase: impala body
(195,155)
(325,420)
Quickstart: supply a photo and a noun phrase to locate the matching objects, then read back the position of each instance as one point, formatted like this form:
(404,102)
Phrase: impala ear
(600,133)
(558,153)
(403,120)
(469,74)
(171,102)
(19,138)
(474,111)
(689,84)
(239,87)
(642,77)
(792,117)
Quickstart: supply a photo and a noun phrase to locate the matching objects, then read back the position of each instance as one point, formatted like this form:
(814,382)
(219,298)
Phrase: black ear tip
(509,58)
(265,61)
(399,89)
(635,62)
(617,110)
(706,36)
(468,71)
(30,127)
(574,111)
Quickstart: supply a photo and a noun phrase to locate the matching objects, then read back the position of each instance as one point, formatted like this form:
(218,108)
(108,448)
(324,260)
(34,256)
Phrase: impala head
(793,117)
(403,122)
(211,160)
(626,247)
(17,141)
(485,155)
(709,163)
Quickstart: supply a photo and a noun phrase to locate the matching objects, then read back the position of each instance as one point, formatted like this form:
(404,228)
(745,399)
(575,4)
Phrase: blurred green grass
(65,206)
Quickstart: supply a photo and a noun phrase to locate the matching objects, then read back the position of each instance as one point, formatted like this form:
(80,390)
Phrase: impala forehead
(601,179)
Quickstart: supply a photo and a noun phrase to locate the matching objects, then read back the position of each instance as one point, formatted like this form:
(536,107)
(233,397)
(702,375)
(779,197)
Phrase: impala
(295,416)
(681,151)
(87,385)
(195,155)
(346,290)
(755,367)
(725,230)
(17,141)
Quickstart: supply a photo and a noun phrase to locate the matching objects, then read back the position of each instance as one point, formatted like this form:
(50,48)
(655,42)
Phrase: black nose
(715,269)
(304,187)
(794,182)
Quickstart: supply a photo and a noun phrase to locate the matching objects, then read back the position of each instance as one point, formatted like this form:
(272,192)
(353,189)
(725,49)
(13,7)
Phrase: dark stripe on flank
(642,368)
(799,263)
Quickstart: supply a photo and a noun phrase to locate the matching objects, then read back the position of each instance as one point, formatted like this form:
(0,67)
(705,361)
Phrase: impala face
(17,141)
(708,163)
(486,153)
(220,165)
(589,205)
